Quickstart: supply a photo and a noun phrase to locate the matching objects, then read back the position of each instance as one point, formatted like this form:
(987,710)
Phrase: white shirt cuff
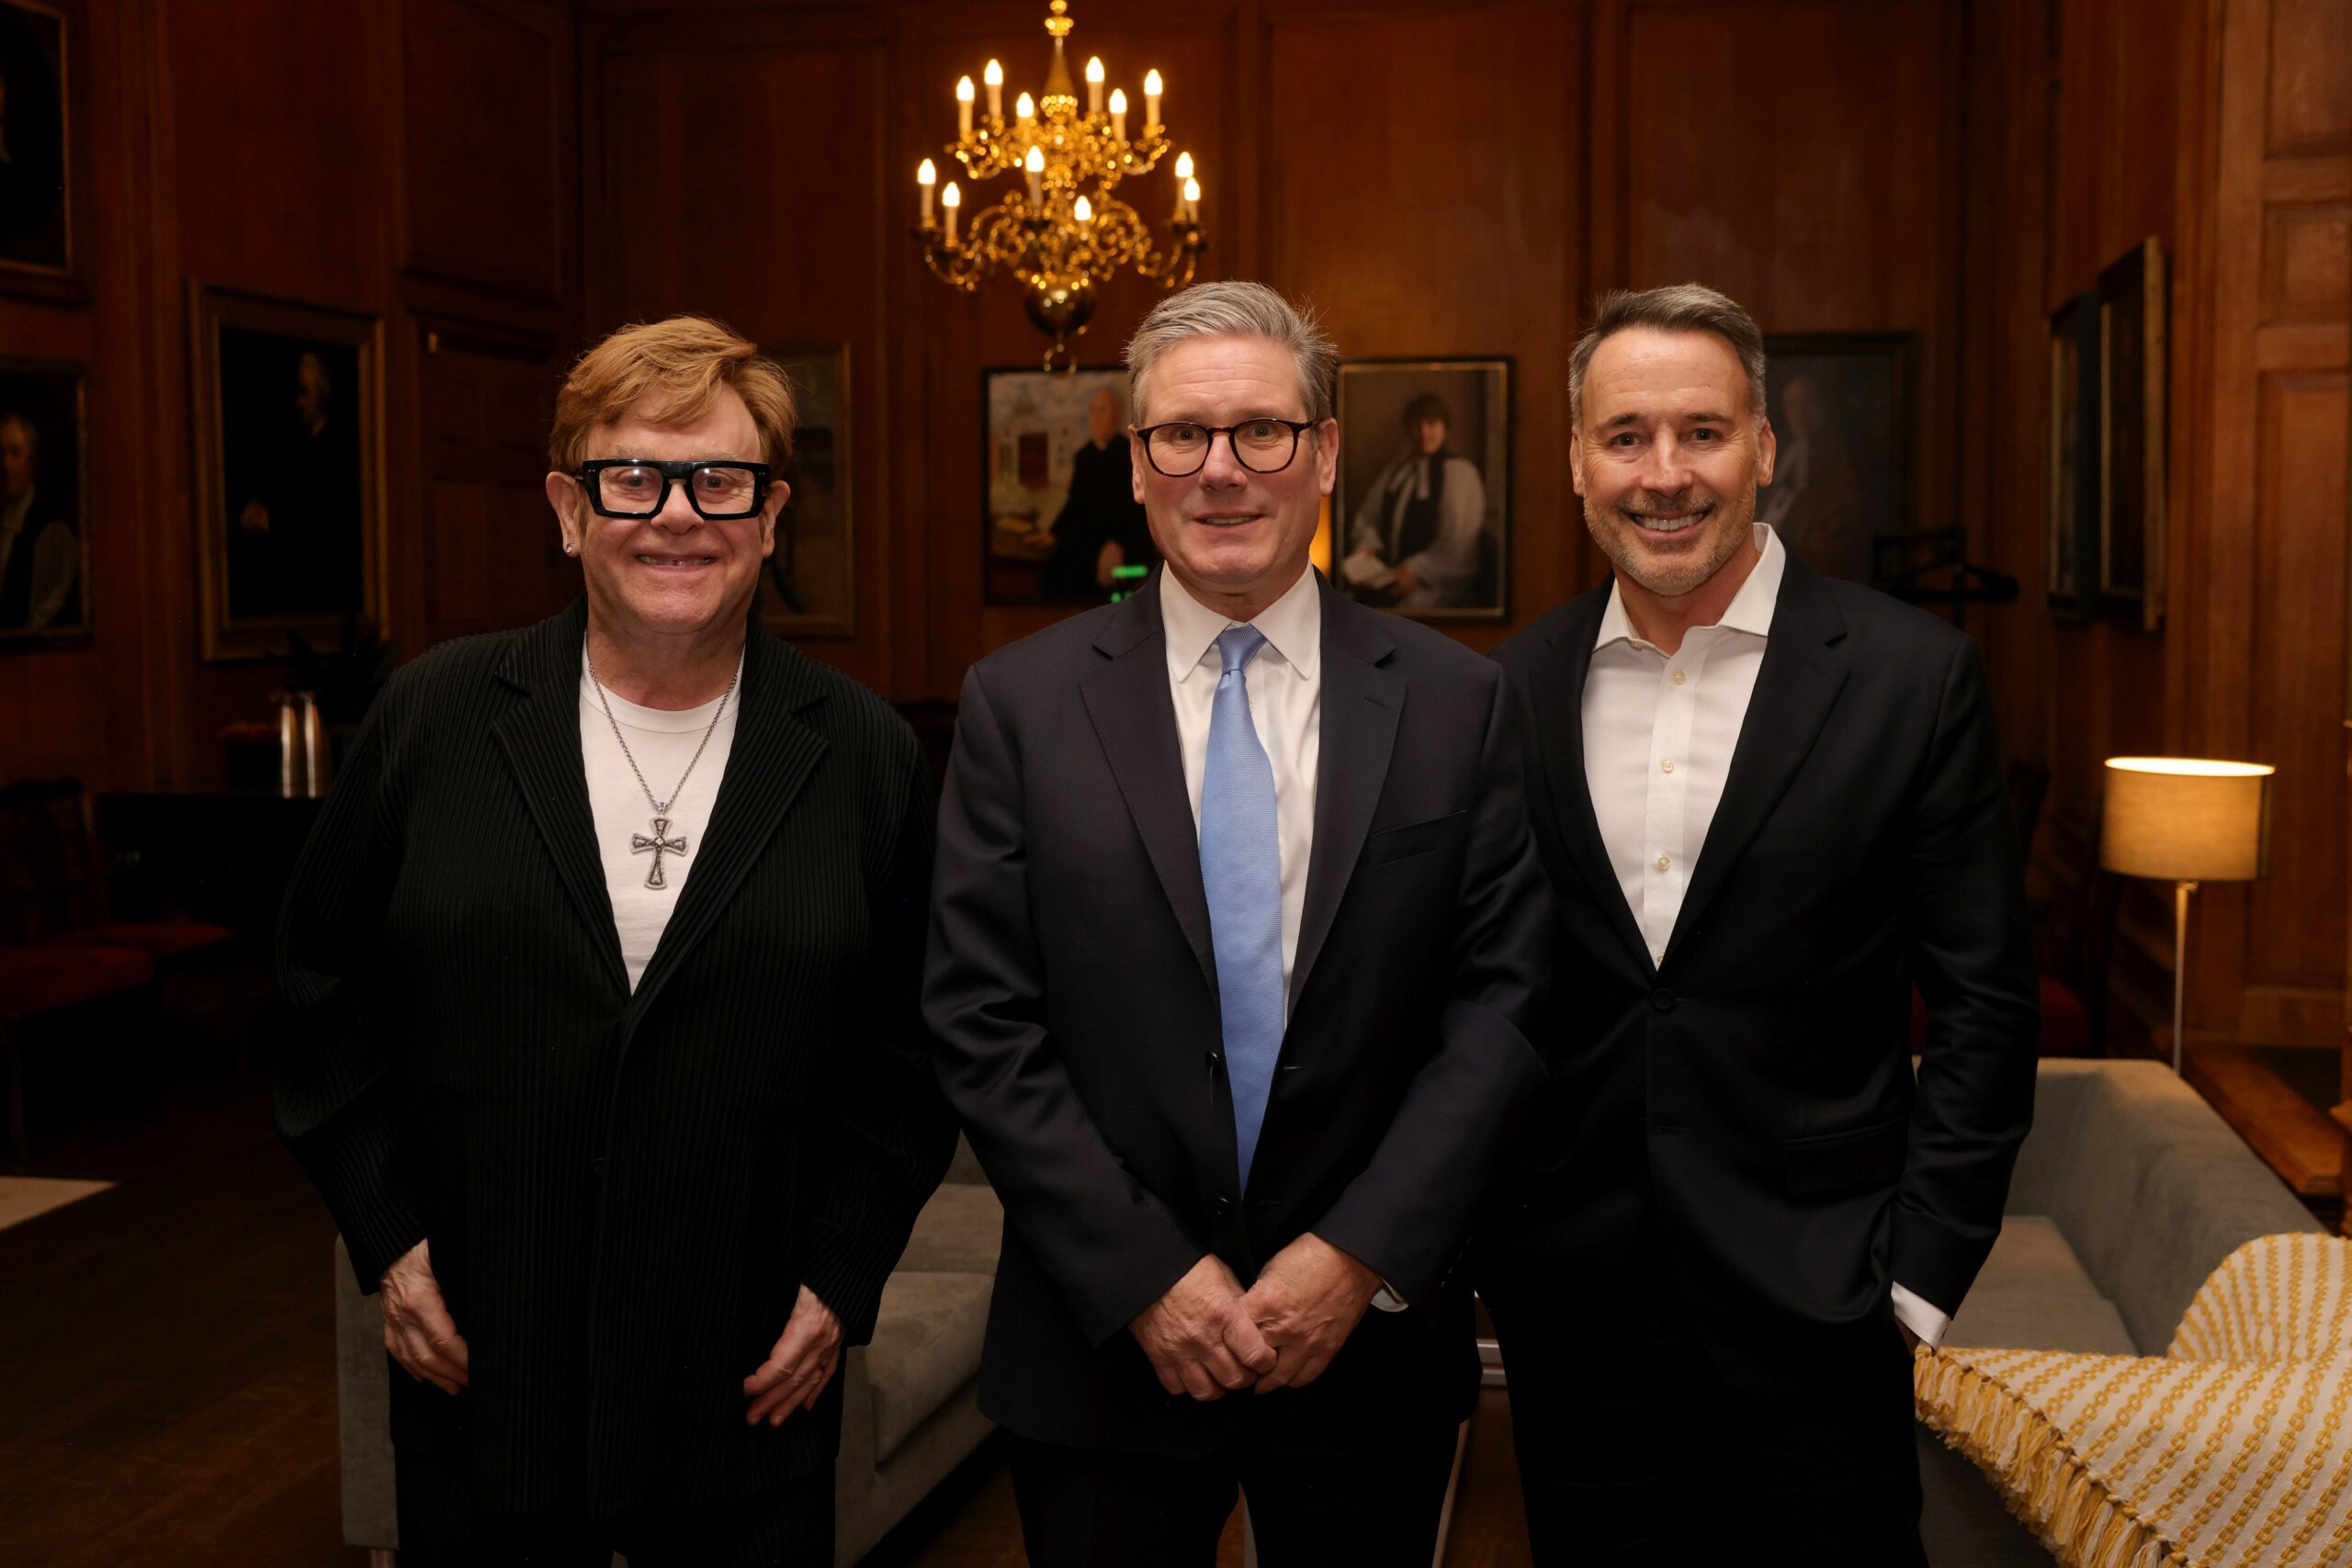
(1388,1300)
(1920,1318)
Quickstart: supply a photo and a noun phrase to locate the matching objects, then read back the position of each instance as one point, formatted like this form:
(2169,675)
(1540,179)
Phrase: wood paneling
(488,166)
(262,146)
(1445,214)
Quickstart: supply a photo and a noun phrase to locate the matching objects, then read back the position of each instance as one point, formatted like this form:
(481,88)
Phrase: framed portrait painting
(2130,367)
(809,589)
(288,406)
(1420,510)
(44,504)
(1062,525)
(1840,406)
(44,199)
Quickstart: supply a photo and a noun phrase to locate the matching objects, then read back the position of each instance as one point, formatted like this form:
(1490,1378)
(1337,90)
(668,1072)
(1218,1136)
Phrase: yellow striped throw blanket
(2231,1449)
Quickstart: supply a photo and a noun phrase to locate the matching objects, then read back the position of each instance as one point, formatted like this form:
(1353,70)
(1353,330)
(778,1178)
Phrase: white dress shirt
(663,740)
(1659,733)
(1286,685)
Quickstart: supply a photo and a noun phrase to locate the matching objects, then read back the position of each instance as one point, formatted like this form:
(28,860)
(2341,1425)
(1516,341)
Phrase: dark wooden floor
(167,1371)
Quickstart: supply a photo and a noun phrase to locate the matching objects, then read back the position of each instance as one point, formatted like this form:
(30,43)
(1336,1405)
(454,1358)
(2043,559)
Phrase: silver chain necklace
(661,843)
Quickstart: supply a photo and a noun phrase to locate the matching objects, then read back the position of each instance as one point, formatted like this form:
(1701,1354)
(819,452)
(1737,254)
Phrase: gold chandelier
(1059,231)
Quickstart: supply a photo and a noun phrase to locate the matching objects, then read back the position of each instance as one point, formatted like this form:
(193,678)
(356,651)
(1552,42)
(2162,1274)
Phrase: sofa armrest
(2153,1190)
(363,1413)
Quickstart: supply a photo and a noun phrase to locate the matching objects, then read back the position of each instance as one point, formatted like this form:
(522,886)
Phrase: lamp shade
(2187,818)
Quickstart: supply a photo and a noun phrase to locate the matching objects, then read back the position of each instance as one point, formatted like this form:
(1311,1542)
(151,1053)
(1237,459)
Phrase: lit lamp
(2186,820)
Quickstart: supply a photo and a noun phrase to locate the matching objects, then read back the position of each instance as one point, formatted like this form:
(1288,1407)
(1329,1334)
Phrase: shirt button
(1664,863)
(1678,677)
(1667,766)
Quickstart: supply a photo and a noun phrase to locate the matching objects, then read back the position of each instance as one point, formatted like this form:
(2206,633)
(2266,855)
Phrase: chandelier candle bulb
(1035,167)
(926,176)
(1192,201)
(1184,174)
(994,77)
(1151,105)
(1094,85)
(951,199)
(1025,109)
(1118,115)
(1083,210)
(964,108)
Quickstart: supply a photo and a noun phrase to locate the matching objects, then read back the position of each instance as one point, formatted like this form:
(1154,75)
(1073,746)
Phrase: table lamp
(2186,820)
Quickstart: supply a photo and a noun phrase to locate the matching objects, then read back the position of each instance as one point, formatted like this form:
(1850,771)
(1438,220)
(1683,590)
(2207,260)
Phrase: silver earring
(571,549)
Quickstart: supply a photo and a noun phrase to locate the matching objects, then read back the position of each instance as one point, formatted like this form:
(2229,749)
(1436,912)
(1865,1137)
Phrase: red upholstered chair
(54,898)
(42,989)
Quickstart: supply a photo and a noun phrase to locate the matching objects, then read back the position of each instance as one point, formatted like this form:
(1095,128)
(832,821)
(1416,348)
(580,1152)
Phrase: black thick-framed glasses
(720,490)
(1262,446)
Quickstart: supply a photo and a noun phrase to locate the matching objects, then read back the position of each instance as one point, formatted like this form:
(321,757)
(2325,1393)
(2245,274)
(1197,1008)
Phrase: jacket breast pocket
(1415,839)
(1853,1161)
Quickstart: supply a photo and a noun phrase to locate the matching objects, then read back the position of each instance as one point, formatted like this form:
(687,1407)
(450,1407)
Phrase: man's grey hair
(1676,308)
(1232,308)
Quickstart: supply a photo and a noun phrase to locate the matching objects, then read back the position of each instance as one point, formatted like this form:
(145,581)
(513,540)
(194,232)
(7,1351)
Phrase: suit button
(597,1168)
(1662,1000)
(1223,1208)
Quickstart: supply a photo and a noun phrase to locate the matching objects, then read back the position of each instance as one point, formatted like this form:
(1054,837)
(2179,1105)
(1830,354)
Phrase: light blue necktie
(1241,871)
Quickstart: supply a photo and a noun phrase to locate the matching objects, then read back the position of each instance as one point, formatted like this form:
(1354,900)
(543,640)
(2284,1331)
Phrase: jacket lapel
(1558,701)
(774,753)
(1362,702)
(540,735)
(1126,697)
(1796,688)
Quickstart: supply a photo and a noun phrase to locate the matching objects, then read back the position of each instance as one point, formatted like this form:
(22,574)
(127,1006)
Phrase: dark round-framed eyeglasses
(1262,446)
(720,490)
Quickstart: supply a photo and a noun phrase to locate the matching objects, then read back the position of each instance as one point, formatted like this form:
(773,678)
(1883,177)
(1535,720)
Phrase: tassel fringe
(2038,1474)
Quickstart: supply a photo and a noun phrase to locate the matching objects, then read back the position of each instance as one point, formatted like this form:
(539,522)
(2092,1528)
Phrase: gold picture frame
(287,403)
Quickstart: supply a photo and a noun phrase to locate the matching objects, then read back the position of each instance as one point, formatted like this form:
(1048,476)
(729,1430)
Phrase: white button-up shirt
(1659,732)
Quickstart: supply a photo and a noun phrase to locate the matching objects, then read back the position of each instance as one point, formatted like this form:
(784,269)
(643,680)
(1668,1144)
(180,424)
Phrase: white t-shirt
(663,741)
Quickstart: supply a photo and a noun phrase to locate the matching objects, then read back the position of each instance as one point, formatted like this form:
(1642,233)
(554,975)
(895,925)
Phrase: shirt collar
(1292,626)
(1750,609)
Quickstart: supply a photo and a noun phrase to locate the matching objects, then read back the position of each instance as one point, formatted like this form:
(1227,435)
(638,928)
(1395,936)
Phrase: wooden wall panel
(488,132)
(2261,599)
(730,187)
(256,145)
(1476,238)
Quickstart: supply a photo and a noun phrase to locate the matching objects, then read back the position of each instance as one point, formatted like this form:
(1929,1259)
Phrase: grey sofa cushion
(2034,1291)
(926,1346)
(960,1231)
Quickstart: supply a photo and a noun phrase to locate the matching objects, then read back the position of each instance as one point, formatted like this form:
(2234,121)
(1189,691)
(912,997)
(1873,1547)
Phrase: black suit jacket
(623,1192)
(1744,1112)
(1072,990)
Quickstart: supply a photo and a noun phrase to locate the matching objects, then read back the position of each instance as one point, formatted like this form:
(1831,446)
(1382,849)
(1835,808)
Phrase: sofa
(2128,1192)
(910,1403)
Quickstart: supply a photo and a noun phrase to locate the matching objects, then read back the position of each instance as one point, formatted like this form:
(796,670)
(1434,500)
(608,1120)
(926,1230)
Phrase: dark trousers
(1373,1504)
(441,1526)
(1637,1449)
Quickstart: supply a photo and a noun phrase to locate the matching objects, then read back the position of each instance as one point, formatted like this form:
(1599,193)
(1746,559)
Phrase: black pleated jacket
(623,1192)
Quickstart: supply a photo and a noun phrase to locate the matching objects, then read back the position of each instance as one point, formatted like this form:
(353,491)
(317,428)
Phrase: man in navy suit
(1237,928)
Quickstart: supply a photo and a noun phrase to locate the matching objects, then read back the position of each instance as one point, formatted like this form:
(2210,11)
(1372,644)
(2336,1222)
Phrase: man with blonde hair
(601,972)
(1236,933)
(1771,805)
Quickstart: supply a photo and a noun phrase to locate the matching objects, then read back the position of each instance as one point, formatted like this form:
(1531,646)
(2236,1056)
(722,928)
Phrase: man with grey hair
(1771,805)
(1236,931)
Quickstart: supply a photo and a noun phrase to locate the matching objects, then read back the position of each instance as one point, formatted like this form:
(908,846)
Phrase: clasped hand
(1208,1337)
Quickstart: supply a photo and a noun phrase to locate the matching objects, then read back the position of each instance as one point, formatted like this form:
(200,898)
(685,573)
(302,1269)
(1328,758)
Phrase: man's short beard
(1611,532)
